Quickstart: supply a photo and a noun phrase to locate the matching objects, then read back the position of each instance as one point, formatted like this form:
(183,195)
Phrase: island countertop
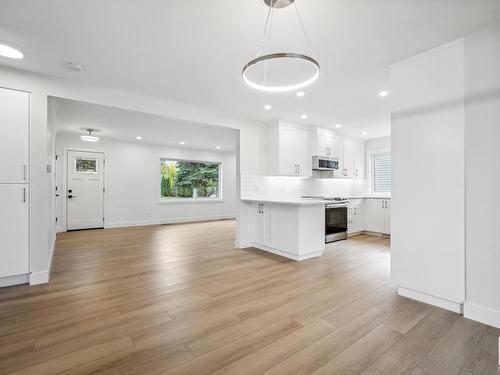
(297,201)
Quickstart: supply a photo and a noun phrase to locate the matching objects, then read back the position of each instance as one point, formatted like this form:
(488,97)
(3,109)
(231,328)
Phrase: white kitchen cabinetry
(289,150)
(14,142)
(351,159)
(355,216)
(378,215)
(14,183)
(14,227)
(292,230)
(262,223)
(325,143)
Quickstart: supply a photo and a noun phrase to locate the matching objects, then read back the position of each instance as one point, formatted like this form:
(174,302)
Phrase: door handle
(25,172)
(24,195)
(71,196)
(298,168)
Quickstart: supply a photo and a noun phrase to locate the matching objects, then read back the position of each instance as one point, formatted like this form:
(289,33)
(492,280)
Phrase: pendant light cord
(269,22)
(302,25)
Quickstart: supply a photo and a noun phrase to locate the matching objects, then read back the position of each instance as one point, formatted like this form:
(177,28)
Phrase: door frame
(65,183)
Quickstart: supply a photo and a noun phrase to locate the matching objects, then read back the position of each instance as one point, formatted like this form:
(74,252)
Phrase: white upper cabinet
(14,142)
(289,150)
(324,143)
(351,155)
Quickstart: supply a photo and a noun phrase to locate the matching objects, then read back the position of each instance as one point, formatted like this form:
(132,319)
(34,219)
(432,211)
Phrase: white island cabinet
(293,229)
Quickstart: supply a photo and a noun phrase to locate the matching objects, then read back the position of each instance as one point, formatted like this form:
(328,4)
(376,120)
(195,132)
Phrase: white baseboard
(431,300)
(137,223)
(482,314)
(43,277)
(14,280)
(242,244)
(287,254)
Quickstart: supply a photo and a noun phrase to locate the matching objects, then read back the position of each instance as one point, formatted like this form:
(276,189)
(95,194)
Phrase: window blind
(382,179)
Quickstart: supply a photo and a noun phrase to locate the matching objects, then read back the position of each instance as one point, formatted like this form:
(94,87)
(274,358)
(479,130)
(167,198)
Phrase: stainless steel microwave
(321,163)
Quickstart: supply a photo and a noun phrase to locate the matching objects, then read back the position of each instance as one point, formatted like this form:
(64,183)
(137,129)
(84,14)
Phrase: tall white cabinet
(289,150)
(14,182)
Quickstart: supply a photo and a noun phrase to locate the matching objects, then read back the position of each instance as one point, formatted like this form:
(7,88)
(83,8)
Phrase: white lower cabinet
(378,215)
(355,216)
(262,224)
(14,229)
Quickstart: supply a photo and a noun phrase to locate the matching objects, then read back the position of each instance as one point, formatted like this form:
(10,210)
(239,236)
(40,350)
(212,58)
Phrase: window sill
(191,200)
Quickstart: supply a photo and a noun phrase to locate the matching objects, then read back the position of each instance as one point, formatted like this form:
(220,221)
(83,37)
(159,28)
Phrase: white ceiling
(193,51)
(114,123)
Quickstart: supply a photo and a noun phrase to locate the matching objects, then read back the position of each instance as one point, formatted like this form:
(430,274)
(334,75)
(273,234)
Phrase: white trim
(242,244)
(285,253)
(43,277)
(431,300)
(137,223)
(14,280)
(482,314)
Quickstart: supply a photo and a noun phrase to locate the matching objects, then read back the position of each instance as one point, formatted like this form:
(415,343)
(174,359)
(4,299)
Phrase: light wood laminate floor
(179,299)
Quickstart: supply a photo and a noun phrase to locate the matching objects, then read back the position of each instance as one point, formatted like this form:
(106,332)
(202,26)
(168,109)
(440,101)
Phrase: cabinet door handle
(298,168)
(24,195)
(262,208)
(25,172)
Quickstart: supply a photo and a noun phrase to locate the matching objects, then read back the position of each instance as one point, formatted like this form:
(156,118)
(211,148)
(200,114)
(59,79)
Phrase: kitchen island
(293,228)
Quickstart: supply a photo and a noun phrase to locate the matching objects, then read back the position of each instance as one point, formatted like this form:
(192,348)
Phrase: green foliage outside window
(189,179)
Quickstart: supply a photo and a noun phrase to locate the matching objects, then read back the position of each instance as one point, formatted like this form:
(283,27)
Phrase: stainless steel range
(335,217)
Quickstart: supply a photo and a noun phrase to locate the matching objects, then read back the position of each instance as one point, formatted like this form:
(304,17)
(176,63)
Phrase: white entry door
(85,190)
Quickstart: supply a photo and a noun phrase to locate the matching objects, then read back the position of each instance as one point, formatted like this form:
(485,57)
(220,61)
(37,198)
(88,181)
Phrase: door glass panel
(85,165)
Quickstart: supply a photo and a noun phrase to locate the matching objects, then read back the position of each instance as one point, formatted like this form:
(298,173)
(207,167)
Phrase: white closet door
(14,142)
(14,230)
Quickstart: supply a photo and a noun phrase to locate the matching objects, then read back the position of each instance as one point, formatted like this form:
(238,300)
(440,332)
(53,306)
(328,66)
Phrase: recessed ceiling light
(364,133)
(267,107)
(89,137)
(303,117)
(338,126)
(217,147)
(383,94)
(300,94)
(10,52)
(138,137)
(181,142)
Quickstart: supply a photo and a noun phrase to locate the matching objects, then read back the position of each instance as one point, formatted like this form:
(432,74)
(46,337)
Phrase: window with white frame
(186,179)
(381,172)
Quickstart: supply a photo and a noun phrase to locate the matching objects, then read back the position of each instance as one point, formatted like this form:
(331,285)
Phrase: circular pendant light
(268,72)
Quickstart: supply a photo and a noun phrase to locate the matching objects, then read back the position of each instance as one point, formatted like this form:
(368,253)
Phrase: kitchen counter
(297,201)
(370,197)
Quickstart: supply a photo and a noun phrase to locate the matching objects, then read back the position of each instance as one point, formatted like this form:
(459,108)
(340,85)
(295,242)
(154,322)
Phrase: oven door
(335,223)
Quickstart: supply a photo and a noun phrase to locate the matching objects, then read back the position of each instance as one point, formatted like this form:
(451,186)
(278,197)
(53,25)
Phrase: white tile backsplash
(277,187)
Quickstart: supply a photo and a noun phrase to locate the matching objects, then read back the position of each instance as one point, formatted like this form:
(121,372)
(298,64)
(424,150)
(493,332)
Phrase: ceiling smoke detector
(74,66)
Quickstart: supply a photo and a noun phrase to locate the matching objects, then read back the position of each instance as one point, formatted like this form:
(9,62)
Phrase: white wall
(482,149)
(251,157)
(132,182)
(428,209)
